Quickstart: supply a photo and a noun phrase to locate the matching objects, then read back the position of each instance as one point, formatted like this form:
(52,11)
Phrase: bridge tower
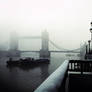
(44,52)
(13,41)
(14,44)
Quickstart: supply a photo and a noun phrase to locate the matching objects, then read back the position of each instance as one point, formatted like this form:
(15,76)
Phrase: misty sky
(67,21)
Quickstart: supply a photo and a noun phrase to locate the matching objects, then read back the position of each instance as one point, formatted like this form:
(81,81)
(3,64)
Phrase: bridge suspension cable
(60,48)
(56,45)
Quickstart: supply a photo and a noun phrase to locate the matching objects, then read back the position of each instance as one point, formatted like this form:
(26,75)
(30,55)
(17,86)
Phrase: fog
(67,21)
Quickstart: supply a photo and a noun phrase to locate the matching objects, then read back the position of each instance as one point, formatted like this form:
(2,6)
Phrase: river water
(27,79)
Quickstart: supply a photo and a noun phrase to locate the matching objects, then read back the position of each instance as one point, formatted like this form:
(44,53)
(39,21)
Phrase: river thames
(27,79)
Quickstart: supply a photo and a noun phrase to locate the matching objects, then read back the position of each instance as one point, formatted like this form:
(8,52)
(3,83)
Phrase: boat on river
(27,61)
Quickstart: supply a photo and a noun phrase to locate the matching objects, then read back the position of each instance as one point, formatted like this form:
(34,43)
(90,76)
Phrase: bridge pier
(44,52)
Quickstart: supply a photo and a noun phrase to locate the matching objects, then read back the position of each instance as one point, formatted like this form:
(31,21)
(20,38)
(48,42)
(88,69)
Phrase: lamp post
(86,49)
(91,37)
(91,30)
(89,45)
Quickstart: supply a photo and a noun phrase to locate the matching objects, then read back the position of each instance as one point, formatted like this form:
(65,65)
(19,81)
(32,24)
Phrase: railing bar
(80,65)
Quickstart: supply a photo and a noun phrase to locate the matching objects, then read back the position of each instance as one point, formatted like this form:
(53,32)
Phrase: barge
(26,61)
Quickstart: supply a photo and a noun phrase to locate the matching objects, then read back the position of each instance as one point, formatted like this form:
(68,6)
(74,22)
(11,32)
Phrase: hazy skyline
(67,21)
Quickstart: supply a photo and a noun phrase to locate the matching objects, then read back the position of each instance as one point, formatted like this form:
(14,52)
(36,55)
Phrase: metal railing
(80,66)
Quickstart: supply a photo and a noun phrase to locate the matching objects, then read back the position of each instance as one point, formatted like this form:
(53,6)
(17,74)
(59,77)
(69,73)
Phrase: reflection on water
(27,79)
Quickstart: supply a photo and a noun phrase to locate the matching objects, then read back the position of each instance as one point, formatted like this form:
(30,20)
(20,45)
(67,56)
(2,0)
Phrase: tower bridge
(44,51)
